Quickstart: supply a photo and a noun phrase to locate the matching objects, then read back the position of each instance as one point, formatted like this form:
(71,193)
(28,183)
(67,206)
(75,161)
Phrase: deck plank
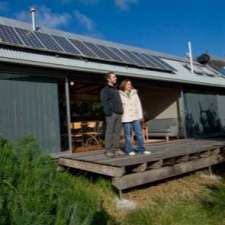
(167,153)
(135,179)
(92,167)
(167,160)
(159,151)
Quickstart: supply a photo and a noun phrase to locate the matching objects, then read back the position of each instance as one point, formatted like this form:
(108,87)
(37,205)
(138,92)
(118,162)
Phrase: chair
(77,133)
(92,133)
(145,131)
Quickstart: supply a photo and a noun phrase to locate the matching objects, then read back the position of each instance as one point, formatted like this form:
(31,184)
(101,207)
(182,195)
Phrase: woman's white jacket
(132,109)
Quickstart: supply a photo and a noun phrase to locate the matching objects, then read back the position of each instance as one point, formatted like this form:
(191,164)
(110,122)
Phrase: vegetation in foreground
(34,192)
(210,211)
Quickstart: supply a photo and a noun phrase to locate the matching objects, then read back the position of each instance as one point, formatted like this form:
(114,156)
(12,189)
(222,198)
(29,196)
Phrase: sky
(164,26)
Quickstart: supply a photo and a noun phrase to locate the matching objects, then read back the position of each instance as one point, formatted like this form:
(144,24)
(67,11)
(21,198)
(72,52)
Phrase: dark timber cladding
(30,107)
(167,160)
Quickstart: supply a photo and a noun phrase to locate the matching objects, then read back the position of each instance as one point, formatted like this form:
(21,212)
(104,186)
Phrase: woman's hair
(124,83)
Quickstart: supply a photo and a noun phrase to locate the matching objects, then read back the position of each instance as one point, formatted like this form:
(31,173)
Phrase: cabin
(49,88)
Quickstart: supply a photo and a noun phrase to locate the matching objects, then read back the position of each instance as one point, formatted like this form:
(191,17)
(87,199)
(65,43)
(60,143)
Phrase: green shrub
(34,192)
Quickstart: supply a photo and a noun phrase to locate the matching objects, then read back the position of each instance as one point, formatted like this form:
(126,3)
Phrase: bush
(34,192)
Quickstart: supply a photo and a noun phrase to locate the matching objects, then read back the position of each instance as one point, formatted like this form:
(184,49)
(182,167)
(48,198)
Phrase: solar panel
(222,71)
(8,35)
(159,63)
(110,53)
(209,72)
(83,48)
(56,43)
(97,50)
(48,42)
(66,45)
(124,57)
(149,62)
(134,58)
(29,38)
(164,65)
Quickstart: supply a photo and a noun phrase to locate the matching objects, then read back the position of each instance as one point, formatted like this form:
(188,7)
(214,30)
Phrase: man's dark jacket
(110,100)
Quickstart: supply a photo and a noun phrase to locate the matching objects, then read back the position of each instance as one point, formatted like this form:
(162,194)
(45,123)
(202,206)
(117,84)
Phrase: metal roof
(182,74)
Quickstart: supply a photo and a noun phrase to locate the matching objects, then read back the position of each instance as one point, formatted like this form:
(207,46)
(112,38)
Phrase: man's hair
(108,75)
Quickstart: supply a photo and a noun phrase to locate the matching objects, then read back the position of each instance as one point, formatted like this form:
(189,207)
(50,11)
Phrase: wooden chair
(145,132)
(77,133)
(91,133)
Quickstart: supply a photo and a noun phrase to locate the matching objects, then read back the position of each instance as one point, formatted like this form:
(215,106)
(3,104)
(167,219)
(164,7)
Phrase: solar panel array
(70,46)
(201,70)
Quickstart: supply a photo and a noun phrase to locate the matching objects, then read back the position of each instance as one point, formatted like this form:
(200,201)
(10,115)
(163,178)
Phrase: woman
(132,116)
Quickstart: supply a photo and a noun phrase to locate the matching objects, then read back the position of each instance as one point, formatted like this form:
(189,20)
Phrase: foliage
(33,191)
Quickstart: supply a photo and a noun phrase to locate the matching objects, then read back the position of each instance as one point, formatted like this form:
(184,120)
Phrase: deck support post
(67,94)
(210,171)
(120,194)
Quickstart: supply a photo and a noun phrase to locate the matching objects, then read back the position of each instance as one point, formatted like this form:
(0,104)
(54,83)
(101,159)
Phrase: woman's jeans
(136,126)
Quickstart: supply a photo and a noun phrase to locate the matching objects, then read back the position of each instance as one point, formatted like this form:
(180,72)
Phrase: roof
(16,23)
(217,62)
(203,75)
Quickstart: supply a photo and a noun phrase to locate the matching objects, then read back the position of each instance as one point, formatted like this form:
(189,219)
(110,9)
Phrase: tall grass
(34,192)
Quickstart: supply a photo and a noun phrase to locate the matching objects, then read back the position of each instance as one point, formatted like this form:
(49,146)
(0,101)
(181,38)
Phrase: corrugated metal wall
(30,107)
(204,113)
(221,111)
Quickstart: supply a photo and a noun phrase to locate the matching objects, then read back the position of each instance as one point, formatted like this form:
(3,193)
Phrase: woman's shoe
(147,152)
(131,153)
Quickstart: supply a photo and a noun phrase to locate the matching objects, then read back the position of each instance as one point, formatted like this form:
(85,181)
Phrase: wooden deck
(168,159)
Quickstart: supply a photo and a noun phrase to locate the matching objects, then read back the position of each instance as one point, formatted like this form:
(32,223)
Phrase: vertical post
(210,171)
(67,92)
(190,56)
(33,15)
(120,194)
(182,112)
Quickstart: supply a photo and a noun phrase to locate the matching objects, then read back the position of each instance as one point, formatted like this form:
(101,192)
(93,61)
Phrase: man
(112,107)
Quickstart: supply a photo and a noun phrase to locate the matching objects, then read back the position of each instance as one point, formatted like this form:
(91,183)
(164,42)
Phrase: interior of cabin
(160,104)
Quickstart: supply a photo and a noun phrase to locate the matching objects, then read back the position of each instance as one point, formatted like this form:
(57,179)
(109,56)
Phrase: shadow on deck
(168,159)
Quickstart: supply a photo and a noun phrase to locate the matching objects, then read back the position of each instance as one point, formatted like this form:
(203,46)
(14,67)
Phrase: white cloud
(124,4)
(46,17)
(86,22)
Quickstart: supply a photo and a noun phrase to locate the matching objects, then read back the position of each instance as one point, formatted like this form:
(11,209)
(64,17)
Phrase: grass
(201,208)
(33,191)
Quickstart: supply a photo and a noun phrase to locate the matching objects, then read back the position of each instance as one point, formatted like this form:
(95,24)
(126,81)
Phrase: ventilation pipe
(33,16)
(190,56)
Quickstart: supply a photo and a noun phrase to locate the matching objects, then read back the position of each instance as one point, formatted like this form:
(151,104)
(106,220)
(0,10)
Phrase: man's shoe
(109,154)
(119,153)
